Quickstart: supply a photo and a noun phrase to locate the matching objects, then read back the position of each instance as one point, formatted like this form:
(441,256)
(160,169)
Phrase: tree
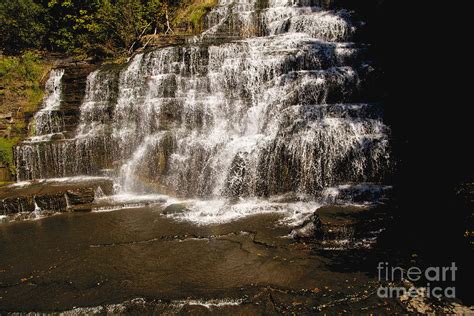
(122,23)
(21,25)
(94,27)
(71,24)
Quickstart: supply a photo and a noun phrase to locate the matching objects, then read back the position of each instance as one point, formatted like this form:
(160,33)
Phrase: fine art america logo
(391,274)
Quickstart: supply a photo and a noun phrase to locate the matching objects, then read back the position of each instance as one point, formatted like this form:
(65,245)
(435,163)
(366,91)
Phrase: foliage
(192,13)
(94,27)
(122,23)
(21,24)
(71,24)
(26,66)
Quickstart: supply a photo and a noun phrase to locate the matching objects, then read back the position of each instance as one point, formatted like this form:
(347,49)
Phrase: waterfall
(271,99)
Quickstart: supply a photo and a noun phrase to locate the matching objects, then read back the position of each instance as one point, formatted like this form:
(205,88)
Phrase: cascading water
(47,121)
(268,101)
(51,101)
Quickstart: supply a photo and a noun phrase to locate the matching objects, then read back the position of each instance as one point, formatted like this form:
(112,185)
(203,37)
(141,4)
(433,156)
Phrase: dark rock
(52,203)
(74,86)
(364,192)
(15,205)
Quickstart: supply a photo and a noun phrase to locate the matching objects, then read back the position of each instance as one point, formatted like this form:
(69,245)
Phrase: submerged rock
(176,208)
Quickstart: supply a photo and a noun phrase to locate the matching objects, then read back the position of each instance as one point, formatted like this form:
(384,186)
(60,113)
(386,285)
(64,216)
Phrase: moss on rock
(6,152)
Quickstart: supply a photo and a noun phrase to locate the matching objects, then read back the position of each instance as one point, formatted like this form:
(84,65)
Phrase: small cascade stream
(270,101)
(47,121)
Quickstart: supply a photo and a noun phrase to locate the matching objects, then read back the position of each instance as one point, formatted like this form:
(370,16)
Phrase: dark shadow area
(431,138)
(431,133)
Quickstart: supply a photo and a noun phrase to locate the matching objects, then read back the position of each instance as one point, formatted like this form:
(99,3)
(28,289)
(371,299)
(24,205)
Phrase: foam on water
(131,198)
(76,179)
(207,212)
(209,303)
(175,306)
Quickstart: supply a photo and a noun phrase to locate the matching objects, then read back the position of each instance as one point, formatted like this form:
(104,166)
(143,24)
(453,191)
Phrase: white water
(45,121)
(52,97)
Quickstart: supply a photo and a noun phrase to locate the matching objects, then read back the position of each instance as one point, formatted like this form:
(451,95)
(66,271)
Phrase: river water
(142,259)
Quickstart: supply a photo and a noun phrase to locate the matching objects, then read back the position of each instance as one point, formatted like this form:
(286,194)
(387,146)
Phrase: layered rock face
(30,199)
(272,98)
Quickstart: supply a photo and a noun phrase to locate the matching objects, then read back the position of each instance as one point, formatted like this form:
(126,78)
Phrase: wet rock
(235,185)
(15,205)
(175,209)
(53,202)
(74,86)
(80,196)
(159,41)
(310,228)
(357,193)
(170,114)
